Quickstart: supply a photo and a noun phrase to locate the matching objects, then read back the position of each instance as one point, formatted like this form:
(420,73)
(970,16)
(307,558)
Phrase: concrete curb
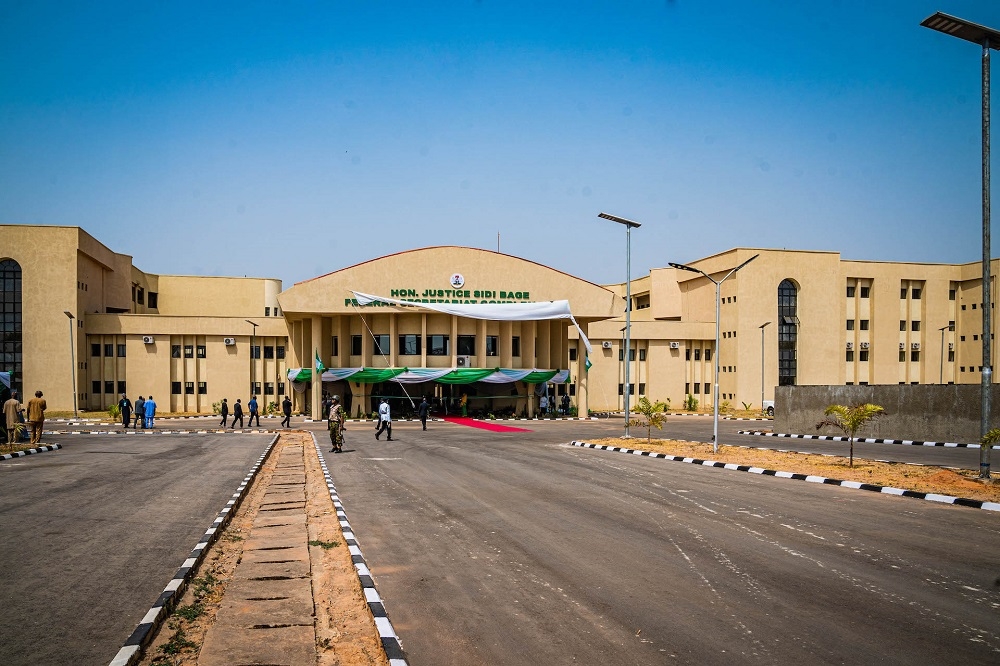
(858,440)
(141,433)
(857,485)
(131,651)
(747,418)
(28,452)
(387,635)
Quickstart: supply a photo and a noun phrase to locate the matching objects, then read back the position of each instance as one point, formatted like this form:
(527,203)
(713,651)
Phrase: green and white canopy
(443,375)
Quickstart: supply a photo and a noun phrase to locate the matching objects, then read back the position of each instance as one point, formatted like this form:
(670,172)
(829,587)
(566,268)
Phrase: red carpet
(485,425)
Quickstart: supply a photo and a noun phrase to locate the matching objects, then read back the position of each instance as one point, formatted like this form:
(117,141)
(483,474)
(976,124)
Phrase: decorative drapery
(443,375)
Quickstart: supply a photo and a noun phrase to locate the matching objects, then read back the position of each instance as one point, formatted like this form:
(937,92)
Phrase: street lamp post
(253,342)
(629,224)
(623,362)
(762,327)
(72,359)
(988,38)
(718,287)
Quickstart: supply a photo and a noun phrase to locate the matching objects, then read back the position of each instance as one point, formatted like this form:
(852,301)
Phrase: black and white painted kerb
(861,440)
(28,452)
(131,652)
(387,635)
(886,490)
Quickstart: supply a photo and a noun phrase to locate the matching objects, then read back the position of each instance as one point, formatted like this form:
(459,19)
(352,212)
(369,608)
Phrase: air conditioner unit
(951,346)
(464,362)
(229,341)
(606,344)
(864,345)
(147,339)
(674,345)
(902,346)
(850,345)
(914,346)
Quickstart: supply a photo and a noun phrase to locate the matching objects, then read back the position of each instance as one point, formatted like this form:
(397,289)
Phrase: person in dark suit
(125,410)
(224,410)
(422,412)
(237,414)
(286,409)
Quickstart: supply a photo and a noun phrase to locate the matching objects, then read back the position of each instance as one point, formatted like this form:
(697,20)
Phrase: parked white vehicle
(769,407)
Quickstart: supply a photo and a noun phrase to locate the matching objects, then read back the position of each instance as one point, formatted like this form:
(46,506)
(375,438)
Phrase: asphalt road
(513,548)
(93,532)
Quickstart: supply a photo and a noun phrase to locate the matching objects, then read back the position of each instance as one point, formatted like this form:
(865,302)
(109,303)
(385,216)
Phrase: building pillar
(316,343)
(454,340)
(528,332)
(582,401)
(423,340)
(481,343)
(505,343)
(544,349)
(393,339)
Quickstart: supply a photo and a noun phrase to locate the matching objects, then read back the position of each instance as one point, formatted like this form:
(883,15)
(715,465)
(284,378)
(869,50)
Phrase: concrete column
(528,331)
(481,360)
(423,340)
(316,344)
(344,340)
(582,402)
(393,339)
(531,400)
(454,341)
(544,346)
(298,399)
(367,344)
(506,333)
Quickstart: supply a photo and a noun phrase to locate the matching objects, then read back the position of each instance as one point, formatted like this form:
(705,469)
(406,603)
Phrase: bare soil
(928,479)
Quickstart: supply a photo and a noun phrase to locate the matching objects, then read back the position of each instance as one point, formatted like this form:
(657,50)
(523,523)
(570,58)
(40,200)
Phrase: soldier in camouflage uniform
(336,425)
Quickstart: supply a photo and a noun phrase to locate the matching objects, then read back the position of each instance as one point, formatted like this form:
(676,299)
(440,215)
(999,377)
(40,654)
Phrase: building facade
(81,322)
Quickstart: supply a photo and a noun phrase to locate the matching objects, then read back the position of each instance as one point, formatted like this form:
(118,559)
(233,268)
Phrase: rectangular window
(687,388)
(631,354)
(267,311)
(621,389)
(438,345)
(951,356)
(687,356)
(466,345)
(697,388)
(95,350)
(95,387)
(902,293)
(902,324)
(621,354)
(281,388)
(850,324)
(914,325)
(493,347)
(864,324)
(697,354)
(850,291)
(255,351)
(121,351)
(642,357)
(974,306)
(963,306)
(902,356)
(279,351)
(951,294)
(572,354)
(381,345)
(708,389)
(642,388)
(951,325)
(188,388)
(268,388)
(202,388)
(268,351)
(201,351)
(865,291)
(915,294)
(175,351)
(175,388)
(515,346)
(255,388)
(409,345)
(355,345)
(109,350)
(863,356)
(631,389)
(961,338)
(188,351)
(140,296)
(850,355)
(121,387)
(333,346)
(914,356)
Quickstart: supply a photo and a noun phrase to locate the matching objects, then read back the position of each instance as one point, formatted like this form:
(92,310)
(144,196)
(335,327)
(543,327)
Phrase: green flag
(587,364)
(319,364)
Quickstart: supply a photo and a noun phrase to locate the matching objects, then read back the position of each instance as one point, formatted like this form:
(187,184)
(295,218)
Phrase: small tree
(654,413)
(850,419)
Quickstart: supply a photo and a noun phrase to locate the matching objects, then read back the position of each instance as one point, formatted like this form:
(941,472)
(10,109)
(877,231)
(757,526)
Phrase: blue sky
(289,139)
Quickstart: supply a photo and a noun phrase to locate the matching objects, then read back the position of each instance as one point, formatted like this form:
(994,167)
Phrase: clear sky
(289,139)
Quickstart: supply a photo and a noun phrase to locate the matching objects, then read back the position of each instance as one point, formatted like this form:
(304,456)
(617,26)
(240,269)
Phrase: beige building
(801,317)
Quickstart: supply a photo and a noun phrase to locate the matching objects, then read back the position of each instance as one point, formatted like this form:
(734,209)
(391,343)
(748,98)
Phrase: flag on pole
(319,364)
(587,363)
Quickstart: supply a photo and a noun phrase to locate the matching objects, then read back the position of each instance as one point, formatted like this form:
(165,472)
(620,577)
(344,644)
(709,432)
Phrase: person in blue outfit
(150,407)
(252,406)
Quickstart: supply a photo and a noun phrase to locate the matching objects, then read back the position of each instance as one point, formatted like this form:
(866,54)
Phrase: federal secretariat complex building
(80,317)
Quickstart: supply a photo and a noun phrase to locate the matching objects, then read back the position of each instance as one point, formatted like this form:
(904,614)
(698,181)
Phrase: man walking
(252,406)
(12,414)
(36,416)
(336,424)
(125,410)
(140,412)
(384,420)
(422,412)
(224,410)
(150,408)
(286,409)
(237,414)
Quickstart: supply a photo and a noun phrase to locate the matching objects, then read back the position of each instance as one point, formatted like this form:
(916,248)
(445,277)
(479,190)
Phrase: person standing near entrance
(422,412)
(336,424)
(140,412)
(237,414)
(286,409)
(543,405)
(12,414)
(125,409)
(384,420)
(150,407)
(36,416)
(252,406)
(224,410)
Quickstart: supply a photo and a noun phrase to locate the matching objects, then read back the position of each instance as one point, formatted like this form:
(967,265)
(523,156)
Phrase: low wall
(929,413)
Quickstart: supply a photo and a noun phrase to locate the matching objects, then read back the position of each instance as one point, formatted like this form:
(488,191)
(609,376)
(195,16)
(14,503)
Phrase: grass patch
(178,643)
(190,613)
(325,545)
(204,585)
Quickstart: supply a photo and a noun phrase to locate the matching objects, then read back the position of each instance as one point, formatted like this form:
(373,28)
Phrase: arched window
(10,322)
(788,326)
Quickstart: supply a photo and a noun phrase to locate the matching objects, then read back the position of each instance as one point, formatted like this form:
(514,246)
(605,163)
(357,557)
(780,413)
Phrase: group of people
(144,411)
(336,418)
(547,405)
(13,412)
(254,410)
